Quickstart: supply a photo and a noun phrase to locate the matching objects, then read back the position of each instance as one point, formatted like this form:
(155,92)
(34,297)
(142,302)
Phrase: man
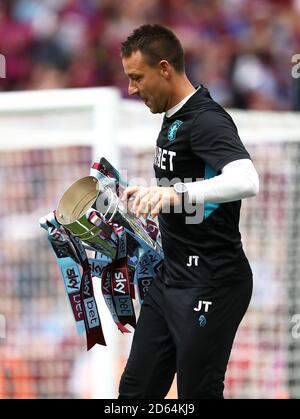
(191,313)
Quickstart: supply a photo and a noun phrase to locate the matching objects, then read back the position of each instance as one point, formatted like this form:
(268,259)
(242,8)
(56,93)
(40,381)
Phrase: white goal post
(94,117)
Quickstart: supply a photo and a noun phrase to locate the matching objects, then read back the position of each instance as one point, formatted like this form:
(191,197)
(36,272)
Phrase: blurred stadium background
(242,51)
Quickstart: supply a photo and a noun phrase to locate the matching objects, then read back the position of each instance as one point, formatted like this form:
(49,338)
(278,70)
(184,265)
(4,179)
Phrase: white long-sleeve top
(238,180)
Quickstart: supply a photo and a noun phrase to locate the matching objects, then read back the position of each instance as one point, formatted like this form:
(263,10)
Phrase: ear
(165,69)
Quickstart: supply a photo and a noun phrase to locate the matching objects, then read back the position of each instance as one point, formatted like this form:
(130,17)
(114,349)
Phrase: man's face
(146,82)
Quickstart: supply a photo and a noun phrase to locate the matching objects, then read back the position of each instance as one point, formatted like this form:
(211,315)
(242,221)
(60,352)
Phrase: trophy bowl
(88,195)
(74,210)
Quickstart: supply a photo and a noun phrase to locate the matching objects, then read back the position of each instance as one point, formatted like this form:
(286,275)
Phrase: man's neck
(182,87)
(170,112)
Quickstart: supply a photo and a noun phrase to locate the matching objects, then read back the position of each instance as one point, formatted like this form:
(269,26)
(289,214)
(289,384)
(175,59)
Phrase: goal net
(47,141)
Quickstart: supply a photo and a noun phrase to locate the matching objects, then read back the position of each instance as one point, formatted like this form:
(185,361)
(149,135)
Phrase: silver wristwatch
(182,190)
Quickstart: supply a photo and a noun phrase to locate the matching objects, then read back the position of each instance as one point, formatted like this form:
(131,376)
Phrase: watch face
(180,187)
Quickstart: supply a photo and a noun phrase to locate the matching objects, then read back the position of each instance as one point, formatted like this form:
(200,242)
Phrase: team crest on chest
(172,131)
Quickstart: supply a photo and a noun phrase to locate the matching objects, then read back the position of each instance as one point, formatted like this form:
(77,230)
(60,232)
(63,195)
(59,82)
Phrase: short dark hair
(156,43)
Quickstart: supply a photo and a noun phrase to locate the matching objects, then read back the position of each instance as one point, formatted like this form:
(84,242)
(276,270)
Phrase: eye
(136,78)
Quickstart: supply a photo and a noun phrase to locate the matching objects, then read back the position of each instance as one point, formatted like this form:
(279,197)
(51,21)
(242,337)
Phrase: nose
(132,88)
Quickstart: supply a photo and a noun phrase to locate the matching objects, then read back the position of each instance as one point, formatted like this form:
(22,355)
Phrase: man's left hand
(150,200)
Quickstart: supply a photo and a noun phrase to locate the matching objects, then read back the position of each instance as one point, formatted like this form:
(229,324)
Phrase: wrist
(181,192)
(196,192)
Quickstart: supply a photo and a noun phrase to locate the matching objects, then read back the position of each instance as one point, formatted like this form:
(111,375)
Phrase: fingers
(146,201)
(155,204)
(142,204)
(128,192)
(140,201)
(155,210)
(150,203)
(132,196)
(136,196)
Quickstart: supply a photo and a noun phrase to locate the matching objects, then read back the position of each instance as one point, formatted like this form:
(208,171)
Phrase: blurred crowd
(240,49)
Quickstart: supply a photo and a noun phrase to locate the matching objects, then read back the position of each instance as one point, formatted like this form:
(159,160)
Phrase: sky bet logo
(2,67)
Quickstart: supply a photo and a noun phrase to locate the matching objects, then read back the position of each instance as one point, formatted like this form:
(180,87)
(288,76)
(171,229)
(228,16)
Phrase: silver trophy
(90,207)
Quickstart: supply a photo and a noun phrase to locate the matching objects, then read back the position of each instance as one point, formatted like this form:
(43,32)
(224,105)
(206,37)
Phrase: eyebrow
(133,74)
